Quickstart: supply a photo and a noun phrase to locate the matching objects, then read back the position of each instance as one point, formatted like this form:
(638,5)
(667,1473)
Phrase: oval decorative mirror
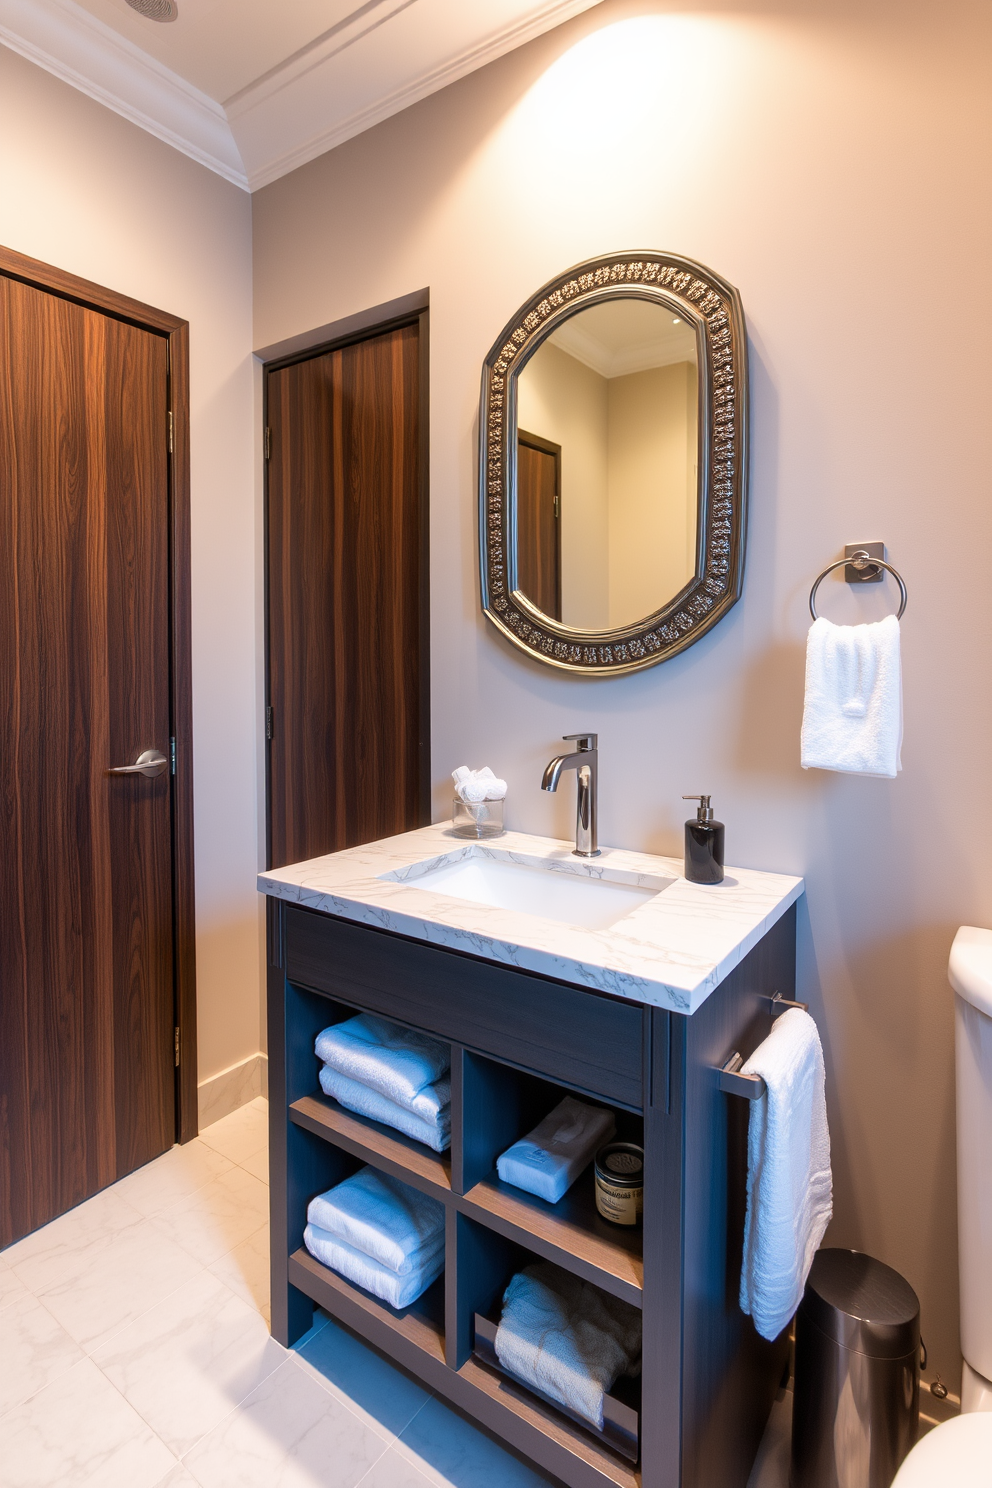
(613,465)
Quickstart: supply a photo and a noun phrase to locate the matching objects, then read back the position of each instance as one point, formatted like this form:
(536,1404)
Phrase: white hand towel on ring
(852,719)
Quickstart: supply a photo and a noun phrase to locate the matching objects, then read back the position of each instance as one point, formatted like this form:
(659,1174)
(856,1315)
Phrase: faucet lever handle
(584,741)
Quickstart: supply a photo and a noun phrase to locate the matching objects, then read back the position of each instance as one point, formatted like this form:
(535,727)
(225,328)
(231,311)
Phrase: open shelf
(545,1419)
(421,1324)
(571,1232)
(374,1143)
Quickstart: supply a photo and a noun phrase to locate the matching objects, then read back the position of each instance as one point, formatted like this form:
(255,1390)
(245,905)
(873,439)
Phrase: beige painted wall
(830,159)
(651,422)
(565,401)
(85,190)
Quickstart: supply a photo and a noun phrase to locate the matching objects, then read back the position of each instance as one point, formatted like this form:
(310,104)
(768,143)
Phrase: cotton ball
(473,790)
(495,789)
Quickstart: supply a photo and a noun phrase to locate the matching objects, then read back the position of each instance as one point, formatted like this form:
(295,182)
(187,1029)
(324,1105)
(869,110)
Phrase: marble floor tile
(449,1452)
(258,1163)
(178,1478)
(239,1135)
(219,1216)
(34,1350)
(291,1432)
(185,1364)
(44,1256)
(78,1432)
(173,1176)
(382,1395)
(100,1287)
(11,1288)
(245,1269)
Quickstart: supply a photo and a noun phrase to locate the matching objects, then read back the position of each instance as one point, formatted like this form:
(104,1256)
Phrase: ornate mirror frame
(707,302)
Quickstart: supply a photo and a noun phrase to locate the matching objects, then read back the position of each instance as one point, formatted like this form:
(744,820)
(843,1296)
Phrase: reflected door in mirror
(538,522)
(614,390)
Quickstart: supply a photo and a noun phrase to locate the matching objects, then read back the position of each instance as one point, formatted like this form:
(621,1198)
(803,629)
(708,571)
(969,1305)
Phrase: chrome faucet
(585,763)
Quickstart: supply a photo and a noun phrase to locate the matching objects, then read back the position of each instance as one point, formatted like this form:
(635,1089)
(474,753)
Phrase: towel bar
(752,1087)
(860,559)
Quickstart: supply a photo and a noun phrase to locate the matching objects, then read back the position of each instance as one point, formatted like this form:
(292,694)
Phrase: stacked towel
(549,1159)
(380,1234)
(789,1188)
(392,1074)
(567,1339)
(852,719)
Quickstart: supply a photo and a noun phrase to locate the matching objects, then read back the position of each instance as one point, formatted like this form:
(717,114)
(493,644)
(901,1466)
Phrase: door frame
(421,319)
(91,296)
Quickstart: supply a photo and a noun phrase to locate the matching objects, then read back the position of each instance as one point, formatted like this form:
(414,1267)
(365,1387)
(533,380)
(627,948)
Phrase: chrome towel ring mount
(861,560)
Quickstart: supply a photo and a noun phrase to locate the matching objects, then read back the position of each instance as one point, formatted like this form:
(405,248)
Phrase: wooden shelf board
(421,1324)
(545,1419)
(390,1150)
(571,1232)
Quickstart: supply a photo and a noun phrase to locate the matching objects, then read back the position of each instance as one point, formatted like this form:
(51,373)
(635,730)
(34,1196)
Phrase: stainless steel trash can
(856,1400)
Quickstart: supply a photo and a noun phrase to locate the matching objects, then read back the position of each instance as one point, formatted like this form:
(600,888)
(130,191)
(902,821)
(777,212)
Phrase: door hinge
(170,431)
(172,755)
(177,1046)
(268,723)
(268,443)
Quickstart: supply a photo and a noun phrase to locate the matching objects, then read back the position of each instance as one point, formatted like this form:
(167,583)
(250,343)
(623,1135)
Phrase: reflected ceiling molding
(291,113)
(73,45)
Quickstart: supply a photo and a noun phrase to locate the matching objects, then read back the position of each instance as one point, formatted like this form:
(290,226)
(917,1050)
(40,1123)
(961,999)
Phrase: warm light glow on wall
(656,83)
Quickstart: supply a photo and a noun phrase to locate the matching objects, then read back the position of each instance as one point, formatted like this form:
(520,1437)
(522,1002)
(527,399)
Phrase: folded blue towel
(354,1265)
(396,1062)
(357,1097)
(396,1225)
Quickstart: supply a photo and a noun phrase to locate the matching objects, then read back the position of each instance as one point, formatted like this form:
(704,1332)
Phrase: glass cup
(476,818)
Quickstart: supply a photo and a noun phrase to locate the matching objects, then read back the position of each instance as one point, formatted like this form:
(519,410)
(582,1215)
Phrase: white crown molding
(262,171)
(67,41)
(260,134)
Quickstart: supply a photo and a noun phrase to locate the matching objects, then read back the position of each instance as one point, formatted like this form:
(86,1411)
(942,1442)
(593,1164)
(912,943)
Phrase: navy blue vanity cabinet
(518,1043)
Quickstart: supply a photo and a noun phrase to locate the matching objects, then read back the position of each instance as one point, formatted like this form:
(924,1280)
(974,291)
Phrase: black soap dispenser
(703,845)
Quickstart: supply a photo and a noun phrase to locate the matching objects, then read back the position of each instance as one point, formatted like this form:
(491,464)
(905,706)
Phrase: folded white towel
(566,1338)
(355,1096)
(393,1223)
(473,786)
(398,1291)
(395,1061)
(852,720)
(789,1188)
(549,1159)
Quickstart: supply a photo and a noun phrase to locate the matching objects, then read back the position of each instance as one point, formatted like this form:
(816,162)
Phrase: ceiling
(623,336)
(253,88)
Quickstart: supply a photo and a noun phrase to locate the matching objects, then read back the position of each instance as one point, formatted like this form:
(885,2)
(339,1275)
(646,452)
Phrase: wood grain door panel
(539,523)
(86,933)
(345,597)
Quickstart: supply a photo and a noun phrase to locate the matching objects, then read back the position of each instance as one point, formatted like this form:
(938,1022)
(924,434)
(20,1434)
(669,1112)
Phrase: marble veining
(671,952)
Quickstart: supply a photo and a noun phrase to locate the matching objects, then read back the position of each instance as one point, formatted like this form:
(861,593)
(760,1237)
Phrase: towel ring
(860,560)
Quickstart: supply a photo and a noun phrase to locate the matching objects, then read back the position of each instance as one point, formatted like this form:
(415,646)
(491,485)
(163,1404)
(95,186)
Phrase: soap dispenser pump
(703,845)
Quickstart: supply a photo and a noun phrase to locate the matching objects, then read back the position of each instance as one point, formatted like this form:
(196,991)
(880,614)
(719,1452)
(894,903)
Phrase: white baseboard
(233,1087)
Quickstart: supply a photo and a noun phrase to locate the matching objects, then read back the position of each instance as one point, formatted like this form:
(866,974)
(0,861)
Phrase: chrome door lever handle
(149,762)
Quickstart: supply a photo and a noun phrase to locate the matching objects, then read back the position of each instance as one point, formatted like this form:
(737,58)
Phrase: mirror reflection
(607,417)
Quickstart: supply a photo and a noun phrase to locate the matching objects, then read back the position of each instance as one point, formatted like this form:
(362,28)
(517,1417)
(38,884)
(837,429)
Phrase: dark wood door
(347,597)
(86,926)
(539,522)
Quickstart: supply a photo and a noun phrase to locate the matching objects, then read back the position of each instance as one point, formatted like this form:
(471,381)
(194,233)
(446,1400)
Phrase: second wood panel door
(347,591)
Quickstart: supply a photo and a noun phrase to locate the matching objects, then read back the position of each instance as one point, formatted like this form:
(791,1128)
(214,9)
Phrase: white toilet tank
(970,973)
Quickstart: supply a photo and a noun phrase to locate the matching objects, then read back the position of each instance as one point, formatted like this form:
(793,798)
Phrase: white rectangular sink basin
(572,898)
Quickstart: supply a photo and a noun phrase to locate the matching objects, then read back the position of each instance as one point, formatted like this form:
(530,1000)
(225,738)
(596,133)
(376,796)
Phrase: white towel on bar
(789,1186)
(567,1338)
(395,1061)
(356,1266)
(548,1160)
(393,1223)
(852,719)
(357,1097)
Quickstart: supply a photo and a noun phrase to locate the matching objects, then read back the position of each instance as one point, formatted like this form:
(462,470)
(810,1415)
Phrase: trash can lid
(862,1304)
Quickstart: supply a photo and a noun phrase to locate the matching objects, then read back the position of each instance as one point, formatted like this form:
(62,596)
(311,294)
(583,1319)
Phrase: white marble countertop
(670,952)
